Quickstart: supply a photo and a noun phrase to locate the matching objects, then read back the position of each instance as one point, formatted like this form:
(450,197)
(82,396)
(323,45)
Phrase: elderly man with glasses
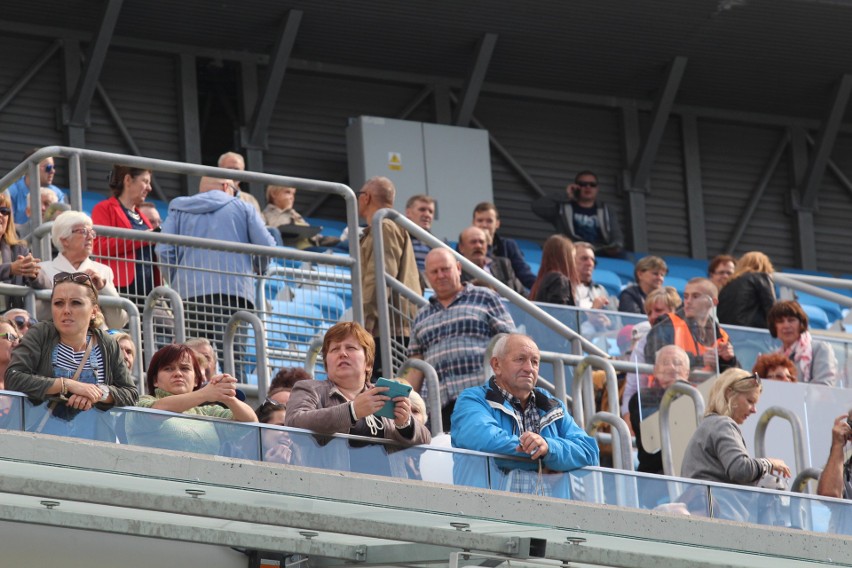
(580,216)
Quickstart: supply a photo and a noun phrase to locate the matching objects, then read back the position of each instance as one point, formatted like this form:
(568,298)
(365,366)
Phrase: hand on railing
(533,444)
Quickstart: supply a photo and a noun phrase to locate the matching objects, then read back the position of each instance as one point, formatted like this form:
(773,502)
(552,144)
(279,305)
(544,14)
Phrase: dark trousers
(209,315)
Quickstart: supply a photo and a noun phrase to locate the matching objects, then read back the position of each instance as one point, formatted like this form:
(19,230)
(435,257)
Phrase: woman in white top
(73,237)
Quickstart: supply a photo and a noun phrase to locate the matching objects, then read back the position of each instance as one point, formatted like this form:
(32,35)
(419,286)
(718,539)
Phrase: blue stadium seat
(328,302)
(531,250)
(609,280)
(676,282)
(685,272)
(623,268)
(816,316)
(831,310)
(696,264)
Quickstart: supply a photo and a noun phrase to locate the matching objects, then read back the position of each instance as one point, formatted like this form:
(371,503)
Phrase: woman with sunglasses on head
(70,358)
(174,381)
(717,450)
(17,264)
(130,261)
(73,237)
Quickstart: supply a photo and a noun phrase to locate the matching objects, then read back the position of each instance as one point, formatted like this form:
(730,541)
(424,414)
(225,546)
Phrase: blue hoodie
(215,215)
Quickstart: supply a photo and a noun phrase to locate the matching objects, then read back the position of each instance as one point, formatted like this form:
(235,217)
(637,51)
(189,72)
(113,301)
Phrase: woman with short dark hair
(814,359)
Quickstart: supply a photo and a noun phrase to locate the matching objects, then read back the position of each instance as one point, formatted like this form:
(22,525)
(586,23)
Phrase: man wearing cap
(581,217)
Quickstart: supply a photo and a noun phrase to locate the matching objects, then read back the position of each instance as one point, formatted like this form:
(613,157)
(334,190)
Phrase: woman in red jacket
(131,261)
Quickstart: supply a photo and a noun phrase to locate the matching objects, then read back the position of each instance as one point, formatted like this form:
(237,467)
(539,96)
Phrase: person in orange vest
(694,330)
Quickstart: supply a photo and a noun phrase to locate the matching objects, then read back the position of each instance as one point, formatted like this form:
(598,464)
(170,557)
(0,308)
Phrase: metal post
(262,368)
(678,388)
(795,425)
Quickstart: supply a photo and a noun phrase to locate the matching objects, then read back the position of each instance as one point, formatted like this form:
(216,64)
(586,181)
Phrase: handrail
(430,378)
(795,425)
(804,284)
(75,154)
(622,454)
(800,482)
(148,319)
(314,349)
(506,292)
(583,389)
(559,360)
(261,362)
(676,389)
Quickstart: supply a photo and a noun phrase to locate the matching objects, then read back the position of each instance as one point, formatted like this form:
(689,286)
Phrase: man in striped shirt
(453,331)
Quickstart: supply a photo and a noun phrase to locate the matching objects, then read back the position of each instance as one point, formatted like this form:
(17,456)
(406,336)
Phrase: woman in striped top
(46,362)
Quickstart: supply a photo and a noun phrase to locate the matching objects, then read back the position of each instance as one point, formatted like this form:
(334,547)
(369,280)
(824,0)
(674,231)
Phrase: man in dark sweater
(487,218)
(581,217)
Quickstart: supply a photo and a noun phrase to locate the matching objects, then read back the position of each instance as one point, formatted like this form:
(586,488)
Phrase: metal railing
(386,331)
(795,425)
(676,389)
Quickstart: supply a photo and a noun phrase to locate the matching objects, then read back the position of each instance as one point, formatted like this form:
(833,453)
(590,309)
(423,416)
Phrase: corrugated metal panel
(734,157)
(665,206)
(30,119)
(834,214)
(552,143)
(307,132)
(143,89)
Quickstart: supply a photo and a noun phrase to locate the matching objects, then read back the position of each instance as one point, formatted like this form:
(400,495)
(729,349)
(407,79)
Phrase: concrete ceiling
(770,56)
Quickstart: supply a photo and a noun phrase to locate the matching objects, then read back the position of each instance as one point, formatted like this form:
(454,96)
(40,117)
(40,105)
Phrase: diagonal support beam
(825,141)
(87,84)
(694,187)
(274,77)
(32,71)
(757,193)
(472,88)
(641,171)
(803,217)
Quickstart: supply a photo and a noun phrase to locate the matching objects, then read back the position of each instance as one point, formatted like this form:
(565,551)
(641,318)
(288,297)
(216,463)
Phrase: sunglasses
(752,377)
(77,277)
(10,337)
(587,183)
(274,404)
(49,168)
(22,321)
(5,211)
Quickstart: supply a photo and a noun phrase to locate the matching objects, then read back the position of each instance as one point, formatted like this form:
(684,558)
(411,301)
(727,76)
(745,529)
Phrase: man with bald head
(453,331)
(379,193)
(213,285)
(473,245)
(234,161)
(694,330)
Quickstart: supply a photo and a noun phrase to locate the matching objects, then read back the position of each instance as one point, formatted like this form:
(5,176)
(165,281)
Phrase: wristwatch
(105,393)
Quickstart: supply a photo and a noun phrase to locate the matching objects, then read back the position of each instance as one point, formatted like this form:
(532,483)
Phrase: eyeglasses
(5,211)
(85,232)
(587,183)
(78,277)
(49,168)
(10,337)
(22,322)
(724,272)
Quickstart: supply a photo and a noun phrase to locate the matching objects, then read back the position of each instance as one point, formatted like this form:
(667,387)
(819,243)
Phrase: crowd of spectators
(71,364)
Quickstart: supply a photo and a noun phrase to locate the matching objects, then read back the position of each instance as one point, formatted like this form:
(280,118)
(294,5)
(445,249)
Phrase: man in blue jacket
(508,415)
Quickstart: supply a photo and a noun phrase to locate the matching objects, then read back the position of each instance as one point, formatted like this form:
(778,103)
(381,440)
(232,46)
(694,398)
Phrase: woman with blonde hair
(748,296)
(17,265)
(557,276)
(717,450)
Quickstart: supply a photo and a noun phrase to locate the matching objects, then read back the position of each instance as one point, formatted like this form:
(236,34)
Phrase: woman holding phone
(346,403)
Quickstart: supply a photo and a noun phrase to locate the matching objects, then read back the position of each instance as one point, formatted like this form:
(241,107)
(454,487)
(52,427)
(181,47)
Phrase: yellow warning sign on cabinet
(395,161)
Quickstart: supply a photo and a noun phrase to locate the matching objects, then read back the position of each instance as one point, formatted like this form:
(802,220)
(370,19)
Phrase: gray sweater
(717,452)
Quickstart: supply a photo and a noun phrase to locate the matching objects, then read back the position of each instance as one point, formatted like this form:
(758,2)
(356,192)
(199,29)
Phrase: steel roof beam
(473,86)
(82,99)
(825,141)
(259,125)
(641,171)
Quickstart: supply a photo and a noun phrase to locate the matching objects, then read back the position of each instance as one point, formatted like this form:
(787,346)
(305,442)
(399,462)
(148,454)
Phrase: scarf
(801,353)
